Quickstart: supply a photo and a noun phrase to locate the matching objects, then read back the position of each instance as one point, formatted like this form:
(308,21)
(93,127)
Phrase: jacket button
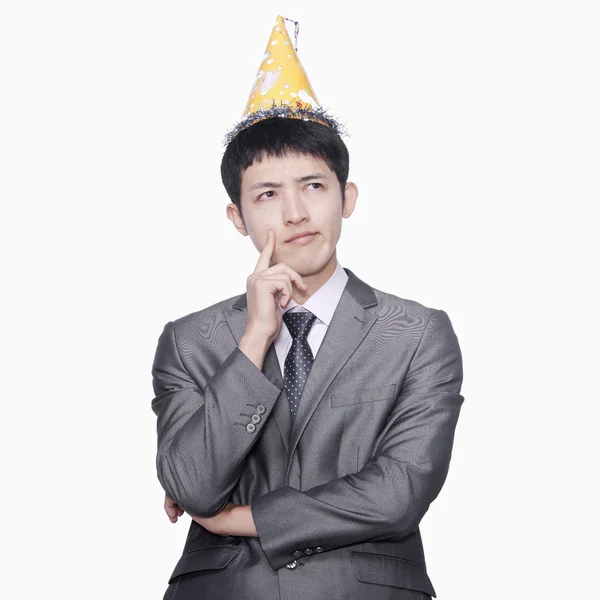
(250,428)
(255,418)
(308,551)
(292,565)
(298,553)
(319,549)
(261,408)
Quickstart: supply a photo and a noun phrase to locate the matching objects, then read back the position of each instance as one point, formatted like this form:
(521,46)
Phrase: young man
(307,424)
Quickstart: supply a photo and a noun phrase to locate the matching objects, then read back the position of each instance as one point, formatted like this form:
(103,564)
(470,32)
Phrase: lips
(302,235)
(302,240)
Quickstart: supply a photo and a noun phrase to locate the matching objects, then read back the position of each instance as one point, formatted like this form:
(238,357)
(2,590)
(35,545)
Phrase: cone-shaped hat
(281,87)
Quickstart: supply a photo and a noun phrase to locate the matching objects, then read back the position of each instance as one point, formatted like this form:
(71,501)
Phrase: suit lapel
(349,325)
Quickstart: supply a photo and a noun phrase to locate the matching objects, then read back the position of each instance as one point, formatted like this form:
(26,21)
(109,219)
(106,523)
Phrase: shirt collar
(325,300)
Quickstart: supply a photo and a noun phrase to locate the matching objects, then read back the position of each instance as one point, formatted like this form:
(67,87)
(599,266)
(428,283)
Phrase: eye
(268,192)
(315,183)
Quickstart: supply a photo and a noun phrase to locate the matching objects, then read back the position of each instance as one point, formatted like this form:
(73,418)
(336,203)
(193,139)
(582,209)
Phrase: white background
(475,145)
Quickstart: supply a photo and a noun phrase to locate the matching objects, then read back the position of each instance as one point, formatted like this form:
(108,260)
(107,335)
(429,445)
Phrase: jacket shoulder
(214,312)
(406,305)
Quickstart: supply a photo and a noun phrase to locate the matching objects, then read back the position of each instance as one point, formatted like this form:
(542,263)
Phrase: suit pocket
(363,395)
(210,557)
(389,570)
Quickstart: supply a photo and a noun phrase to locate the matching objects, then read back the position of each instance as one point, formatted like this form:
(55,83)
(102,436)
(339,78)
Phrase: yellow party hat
(281,87)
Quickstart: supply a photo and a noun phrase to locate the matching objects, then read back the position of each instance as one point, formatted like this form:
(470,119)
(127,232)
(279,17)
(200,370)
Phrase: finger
(267,252)
(172,509)
(286,296)
(294,275)
(278,283)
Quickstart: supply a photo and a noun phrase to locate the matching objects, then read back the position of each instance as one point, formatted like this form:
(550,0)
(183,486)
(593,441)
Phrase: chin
(307,264)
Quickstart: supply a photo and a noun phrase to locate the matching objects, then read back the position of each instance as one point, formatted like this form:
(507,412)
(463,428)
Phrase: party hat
(281,87)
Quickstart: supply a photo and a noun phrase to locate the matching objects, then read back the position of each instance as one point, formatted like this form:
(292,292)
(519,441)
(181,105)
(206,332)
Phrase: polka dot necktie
(299,359)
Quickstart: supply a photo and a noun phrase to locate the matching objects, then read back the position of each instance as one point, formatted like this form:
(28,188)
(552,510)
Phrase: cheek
(337,232)
(258,234)
(331,220)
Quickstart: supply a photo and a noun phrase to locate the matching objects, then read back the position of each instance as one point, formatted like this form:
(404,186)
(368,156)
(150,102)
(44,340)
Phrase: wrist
(242,521)
(256,338)
(255,347)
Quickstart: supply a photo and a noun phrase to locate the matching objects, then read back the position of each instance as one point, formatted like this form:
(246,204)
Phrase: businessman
(307,424)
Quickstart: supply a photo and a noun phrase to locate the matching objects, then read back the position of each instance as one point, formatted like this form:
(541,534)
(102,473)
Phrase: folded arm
(388,497)
(203,438)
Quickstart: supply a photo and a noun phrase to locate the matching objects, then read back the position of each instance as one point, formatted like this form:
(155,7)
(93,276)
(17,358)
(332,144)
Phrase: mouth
(303,240)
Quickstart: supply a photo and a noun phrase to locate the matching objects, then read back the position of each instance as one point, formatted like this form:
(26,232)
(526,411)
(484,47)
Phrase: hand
(234,519)
(173,510)
(220,524)
(263,287)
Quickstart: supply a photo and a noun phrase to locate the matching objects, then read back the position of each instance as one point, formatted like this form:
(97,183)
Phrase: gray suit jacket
(338,495)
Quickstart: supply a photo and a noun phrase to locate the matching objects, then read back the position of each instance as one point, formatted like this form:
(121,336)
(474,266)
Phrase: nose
(294,210)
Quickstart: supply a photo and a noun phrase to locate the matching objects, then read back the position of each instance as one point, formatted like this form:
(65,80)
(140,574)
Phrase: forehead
(282,168)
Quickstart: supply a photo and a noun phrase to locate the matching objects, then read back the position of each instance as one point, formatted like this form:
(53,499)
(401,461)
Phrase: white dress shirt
(322,304)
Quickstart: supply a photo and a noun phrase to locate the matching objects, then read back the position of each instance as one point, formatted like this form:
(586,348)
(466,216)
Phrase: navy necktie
(299,358)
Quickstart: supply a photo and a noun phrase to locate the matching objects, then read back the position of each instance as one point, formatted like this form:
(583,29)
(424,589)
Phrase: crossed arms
(202,448)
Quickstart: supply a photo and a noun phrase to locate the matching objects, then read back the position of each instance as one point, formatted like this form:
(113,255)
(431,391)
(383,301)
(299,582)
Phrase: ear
(233,214)
(350,197)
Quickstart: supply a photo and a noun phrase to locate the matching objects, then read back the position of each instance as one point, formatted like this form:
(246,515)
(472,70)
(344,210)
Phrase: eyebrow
(276,184)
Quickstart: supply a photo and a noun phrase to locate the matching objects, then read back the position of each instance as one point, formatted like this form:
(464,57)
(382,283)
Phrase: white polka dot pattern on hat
(299,359)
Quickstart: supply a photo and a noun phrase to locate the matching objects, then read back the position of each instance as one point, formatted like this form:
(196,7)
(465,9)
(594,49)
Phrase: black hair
(279,136)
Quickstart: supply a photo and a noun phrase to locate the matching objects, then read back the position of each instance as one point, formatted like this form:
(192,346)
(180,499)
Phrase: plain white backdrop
(475,145)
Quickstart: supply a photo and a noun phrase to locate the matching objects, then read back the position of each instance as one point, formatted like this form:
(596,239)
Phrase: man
(306,425)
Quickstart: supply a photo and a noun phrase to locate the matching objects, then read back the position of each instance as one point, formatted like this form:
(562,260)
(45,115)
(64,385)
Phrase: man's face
(290,195)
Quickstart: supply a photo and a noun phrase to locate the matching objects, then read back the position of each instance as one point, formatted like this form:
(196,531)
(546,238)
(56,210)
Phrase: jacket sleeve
(204,434)
(387,498)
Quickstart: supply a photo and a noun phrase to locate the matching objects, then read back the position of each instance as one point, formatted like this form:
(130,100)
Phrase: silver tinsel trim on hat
(287,111)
